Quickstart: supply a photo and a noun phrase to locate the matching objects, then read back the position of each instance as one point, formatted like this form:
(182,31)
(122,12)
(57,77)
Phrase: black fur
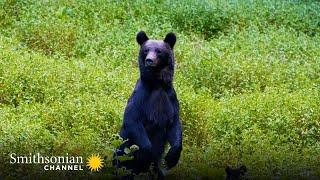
(142,37)
(235,174)
(151,117)
(170,39)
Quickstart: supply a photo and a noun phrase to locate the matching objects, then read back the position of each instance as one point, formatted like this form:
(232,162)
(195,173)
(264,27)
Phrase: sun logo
(94,162)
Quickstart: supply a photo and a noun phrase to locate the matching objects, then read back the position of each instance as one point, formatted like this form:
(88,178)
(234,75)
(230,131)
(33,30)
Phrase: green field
(247,77)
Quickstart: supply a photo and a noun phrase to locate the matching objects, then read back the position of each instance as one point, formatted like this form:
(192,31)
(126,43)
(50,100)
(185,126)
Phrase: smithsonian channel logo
(59,163)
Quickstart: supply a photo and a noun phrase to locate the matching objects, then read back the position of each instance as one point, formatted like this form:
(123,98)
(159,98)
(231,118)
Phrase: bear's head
(235,174)
(156,59)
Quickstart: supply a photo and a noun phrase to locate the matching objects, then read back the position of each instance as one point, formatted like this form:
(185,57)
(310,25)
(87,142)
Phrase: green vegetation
(247,76)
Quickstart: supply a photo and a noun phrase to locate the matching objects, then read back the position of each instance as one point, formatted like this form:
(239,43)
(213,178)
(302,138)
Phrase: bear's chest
(158,110)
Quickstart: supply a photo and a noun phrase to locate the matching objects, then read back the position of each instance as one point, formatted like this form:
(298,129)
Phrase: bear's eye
(158,51)
(145,51)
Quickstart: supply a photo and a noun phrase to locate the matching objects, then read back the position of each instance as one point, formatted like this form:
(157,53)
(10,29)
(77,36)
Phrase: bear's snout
(151,60)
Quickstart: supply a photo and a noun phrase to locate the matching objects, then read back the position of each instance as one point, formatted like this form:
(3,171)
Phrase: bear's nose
(149,62)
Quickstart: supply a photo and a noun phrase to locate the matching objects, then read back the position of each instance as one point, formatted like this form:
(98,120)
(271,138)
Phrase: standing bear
(151,118)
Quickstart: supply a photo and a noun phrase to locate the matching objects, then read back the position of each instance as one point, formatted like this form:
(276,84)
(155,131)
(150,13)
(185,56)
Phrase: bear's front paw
(143,156)
(173,156)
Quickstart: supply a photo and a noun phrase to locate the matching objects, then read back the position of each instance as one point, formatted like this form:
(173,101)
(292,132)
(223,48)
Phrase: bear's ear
(170,39)
(228,170)
(142,37)
(243,169)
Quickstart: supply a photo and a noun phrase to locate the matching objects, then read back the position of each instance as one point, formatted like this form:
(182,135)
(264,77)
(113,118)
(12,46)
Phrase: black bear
(151,117)
(235,174)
